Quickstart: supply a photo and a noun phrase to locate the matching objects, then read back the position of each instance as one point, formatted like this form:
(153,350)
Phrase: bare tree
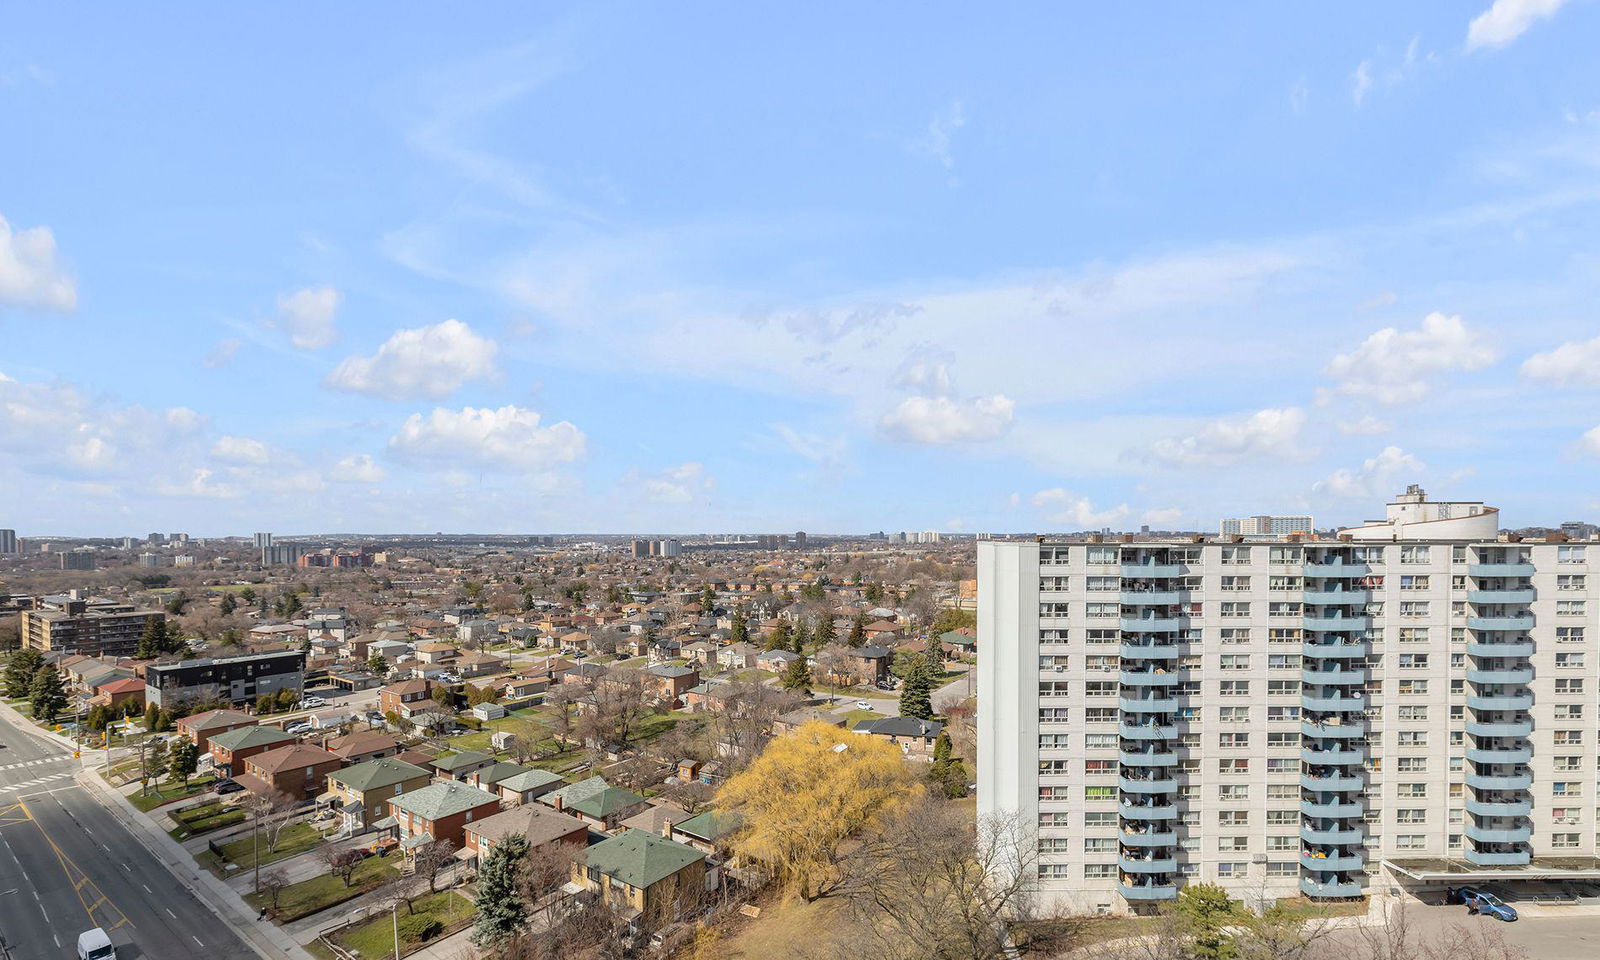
(431,859)
(691,795)
(621,700)
(545,868)
(273,883)
(269,813)
(341,862)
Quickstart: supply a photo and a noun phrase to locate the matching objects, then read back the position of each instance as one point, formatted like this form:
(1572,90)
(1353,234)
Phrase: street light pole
(394,914)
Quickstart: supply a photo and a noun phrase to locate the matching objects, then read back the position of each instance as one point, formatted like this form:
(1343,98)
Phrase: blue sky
(721,268)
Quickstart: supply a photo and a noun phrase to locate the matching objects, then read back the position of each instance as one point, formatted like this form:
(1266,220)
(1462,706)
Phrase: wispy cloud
(1507,20)
(936,140)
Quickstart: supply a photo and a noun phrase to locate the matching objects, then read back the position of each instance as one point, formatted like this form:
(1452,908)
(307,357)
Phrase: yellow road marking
(13,814)
(79,880)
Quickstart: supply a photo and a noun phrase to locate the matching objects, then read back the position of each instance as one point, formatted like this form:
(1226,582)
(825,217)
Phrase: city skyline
(478,278)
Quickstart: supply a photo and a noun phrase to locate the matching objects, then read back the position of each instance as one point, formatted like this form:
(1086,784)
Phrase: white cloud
(222,352)
(680,484)
(1392,366)
(1231,440)
(1507,20)
(307,316)
(198,486)
(430,362)
(818,449)
(1161,515)
(357,468)
(508,438)
(30,274)
(1574,364)
(1589,443)
(239,450)
(1361,81)
(1376,478)
(935,141)
(1365,427)
(1077,511)
(942,420)
(54,428)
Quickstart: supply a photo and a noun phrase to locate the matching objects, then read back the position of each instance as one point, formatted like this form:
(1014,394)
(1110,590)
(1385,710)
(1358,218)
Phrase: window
(1413,582)
(1241,765)
(1100,741)
(1055,688)
(1279,869)
(1236,555)
(1567,738)
(1285,635)
(1233,741)
(1563,841)
(1281,713)
(1227,870)
(1567,763)
(1570,660)
(1569,711)
(1458,661)
(1411,815)
(1099,844)
(1566,788)
(1098,611)
(1054,583)
(1234,688)
(1235,608)
(1102,584)
(1098,819)
(1055,610)
(1414,553)
(1413,661)
(1098,793)
(1055,662)
(1282,583)
(1413,687)
(1411,764)
(1101,555)
(1283,687)
(1102,636)
(1233,714)
(1414,609)
(1235,584)
(1091,871)
(1285,555)
(1234,661)
(1233,844)
(1283,608)
(1413,738)
(1284,738)
(1282,764)
(1054,714)
(1569,685)
(1569,634)
(1054,845)
(1419,712)
(1410,841)
(1570,554)
(1569,608)
(1281,817)
(1100,715)
(1054,636)
(1569,581)
(1099,688)
(1413,635)
(1054,741)
(1414,791)
(1233,635)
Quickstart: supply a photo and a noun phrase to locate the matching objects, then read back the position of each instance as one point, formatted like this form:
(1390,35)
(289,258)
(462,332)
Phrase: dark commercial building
(238,679)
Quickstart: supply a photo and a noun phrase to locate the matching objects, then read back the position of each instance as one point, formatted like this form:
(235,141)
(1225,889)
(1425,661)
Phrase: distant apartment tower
(92,628)
(183,560)
(1266,525)
(263,541)
(155,538)
(641,548)
(8,542)
(128,543)
(76,560)
(1403,705)
(800,540)
(279,554)
(149,559)
(669,548)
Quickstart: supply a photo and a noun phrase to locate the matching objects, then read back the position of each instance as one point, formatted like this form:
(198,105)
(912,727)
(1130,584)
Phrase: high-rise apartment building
(1266,526)
(281,553)
(76,560)
(70,624)
(1410,703)
(263,540)
(8,542)
(149,559)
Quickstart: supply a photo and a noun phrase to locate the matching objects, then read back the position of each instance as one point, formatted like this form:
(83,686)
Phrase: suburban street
(67,864)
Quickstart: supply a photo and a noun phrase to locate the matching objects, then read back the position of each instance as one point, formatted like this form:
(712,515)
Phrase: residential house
(776,660)
(437,653)
(297,770)
(958,644)
(363,745)
(544,828)
(869,664)
(671,682)
(440,811)
(488,778)
(649,879)
(700,651)
(116,694)
(524,689)
(478,630)
(710,831)
(488,711)
(574,641)
(597,802)
(881,630)
(914,737)
(362,792)
(656,818)
(479,665)
(460,766)
(528,786)
(794,719)
(407,697)
(738,656)
(201,727)
(230,749)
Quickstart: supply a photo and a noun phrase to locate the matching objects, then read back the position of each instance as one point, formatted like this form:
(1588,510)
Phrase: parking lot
(1545,932)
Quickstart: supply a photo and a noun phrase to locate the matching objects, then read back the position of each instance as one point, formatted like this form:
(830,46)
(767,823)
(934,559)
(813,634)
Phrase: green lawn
(1311,909)
(319,893)
(167,792)
(295,838)
(854,717)
(204,819)
(653,726)
(375,937)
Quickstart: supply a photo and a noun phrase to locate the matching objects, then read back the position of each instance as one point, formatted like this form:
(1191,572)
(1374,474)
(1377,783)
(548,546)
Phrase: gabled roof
(901,727)
(671,672)
(442,799)
(215,718)
(710,826)
(540,825)
(292,756)
(528,780)
(492,775)
(405,687)
(257,736)
(125,685)
(641,859)
(376,774)
(361,741)
(457,761)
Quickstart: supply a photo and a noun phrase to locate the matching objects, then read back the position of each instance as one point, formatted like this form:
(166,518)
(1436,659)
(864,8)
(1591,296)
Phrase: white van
(95,945)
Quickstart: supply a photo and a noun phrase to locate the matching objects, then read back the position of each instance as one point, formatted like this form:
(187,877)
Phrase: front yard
(295,838)
(205,818)
(319,893)
(375,937)
(168,792)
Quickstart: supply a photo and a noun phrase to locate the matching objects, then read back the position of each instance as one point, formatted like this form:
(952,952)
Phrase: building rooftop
(242,737)
(710,825)
(541,825)
(442,799)
(641,859)
(291,756)
(376,774)
(458,761)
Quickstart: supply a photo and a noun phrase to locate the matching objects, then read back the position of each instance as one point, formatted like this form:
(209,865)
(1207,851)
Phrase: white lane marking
(45,912)
(170,913)
(56,939)
(146,888)
(195,939)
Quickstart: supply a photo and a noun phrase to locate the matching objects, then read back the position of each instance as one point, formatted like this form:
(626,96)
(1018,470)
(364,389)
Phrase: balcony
(1500,754)
(1331,836)
(1150,838)
(1149,651)
(1519,596)
(1334,758)
(1335,782)
(1343,678)
(1140,811)
(1335,568)
(1147,891)
(1141,570)
(1350,729)
(1149,678)
(1154,785)
(1148,758)
(1514,675)
(1151,624)
(1341,651)
(1333,860)
(1515,781)
(1333,624)
(1519,622)
(1514,834)
(1498,858)
(1500,570)
(1518,701)
(1148,704)
(1500,728)
(1490,647)
(1154,731)
(1332,809)
(1149,598)
(1333,888)
(1152,865)
(1331,703)
(1336,597)
(1499,808)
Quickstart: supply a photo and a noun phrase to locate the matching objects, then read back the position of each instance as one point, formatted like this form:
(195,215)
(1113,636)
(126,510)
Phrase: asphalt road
(67,865)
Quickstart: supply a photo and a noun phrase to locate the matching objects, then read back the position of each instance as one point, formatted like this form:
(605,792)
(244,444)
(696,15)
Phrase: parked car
(298,728)
(308,702)
(1479,900)
(863,705)
(228,786)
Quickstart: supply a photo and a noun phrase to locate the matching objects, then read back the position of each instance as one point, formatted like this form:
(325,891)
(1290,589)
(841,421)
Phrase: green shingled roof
(249,737)
(710,826)
(490,776)
(458,760)
(529,780)
(373,774)
(605,802)
(439,800)
(641,859)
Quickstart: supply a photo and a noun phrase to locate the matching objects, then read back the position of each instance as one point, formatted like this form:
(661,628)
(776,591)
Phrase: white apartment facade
(1267,525)
(1412,703)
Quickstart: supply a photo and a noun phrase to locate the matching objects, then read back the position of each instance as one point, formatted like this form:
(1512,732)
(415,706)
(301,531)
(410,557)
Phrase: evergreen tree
(916,693)
(182,761)
(501,909)
(153,642)
(377,665)
(228,605)
(825,636)
(99,718)
(1208,914)
(802,636)
(873,593)
(858,631)
(152,717)
(797,676)
(741,627)
(780,638)
(47,693)
(19,672)
(293,605)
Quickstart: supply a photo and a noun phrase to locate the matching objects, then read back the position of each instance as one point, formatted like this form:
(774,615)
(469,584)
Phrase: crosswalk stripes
(34,763)
(34,783)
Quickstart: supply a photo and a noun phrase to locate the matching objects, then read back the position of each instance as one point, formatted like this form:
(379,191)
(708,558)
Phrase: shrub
(470,722)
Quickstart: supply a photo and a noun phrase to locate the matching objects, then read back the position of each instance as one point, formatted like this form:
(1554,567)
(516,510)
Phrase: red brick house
(298,771)
(441,810)
(406,697)
(201,727)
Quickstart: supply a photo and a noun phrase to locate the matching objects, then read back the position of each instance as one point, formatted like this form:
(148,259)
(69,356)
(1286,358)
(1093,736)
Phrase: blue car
(1482,901)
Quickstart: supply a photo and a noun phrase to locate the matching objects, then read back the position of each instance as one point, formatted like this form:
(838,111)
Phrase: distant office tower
(149,559)
(641,548)
(177,538)
(155,538)
(1266,526)
(8,541)
(77,560)
(263,540)
(1399,706)
(800,540)
(1576,529)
